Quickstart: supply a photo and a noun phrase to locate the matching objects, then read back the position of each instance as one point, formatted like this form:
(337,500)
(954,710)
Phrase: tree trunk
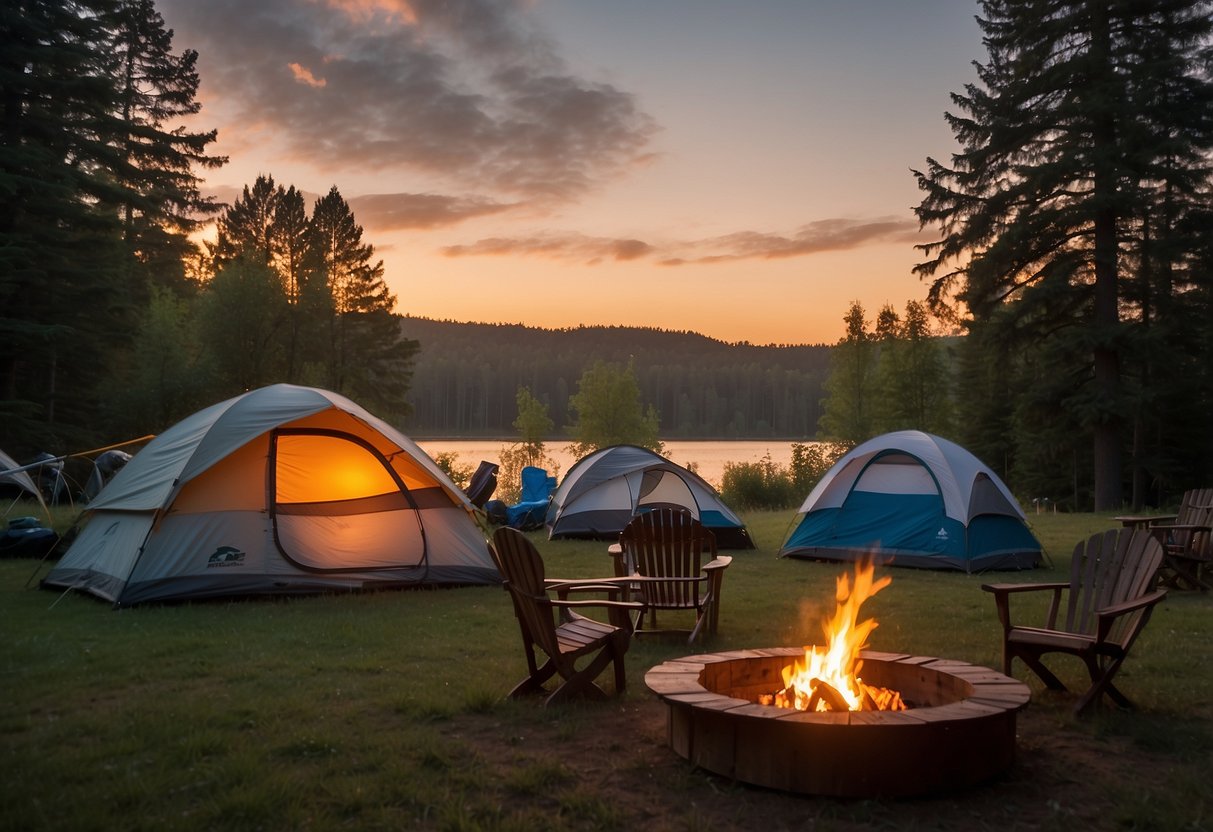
(1106,318)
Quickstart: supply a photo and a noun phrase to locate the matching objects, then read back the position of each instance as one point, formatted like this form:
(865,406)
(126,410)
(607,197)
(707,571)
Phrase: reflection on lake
(709,457)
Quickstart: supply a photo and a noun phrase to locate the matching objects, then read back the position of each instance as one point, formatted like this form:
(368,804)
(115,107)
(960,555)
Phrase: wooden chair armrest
(1166,520)
(611,586)
(557,584)
(1003,589)
(1107,616)
(1002,599)
(720,562)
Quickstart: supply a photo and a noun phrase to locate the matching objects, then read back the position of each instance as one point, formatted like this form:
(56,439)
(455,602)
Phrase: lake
(709,456)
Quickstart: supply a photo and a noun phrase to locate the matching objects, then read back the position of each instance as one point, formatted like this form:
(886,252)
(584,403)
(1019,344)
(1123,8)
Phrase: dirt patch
(1064,777)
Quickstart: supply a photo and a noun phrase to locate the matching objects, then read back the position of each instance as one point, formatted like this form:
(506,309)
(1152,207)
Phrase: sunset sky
(740,169)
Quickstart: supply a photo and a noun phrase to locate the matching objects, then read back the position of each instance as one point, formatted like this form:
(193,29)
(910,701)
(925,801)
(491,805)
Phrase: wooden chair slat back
(1109,568)
(1194,506)
(1194,541)
(668,543)
(522,567)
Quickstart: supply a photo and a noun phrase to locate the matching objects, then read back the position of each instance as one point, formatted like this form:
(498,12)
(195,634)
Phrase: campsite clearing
(387,711)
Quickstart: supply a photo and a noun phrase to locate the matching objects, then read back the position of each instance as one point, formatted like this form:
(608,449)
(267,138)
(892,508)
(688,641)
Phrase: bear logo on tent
(225,556)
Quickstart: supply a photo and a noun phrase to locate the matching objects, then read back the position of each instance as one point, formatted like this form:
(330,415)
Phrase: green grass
(386,711)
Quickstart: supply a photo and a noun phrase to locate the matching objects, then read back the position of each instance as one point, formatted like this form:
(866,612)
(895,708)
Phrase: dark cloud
(815,237)
(467,90)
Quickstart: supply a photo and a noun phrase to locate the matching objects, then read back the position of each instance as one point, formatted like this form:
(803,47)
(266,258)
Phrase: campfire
(853,738)
(828,678)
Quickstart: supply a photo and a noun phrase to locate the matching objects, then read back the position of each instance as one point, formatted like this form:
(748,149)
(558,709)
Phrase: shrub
(810,463)
(448,461)
(766,485)
(757,485)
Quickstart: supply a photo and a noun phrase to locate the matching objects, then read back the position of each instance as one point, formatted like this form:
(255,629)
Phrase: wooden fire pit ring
(960,732)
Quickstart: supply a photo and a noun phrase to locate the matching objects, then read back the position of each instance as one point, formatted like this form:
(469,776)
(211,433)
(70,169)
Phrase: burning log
(823,691)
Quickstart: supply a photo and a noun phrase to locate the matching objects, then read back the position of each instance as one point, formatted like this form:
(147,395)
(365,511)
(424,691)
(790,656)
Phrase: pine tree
(246,227)
(848,415)
(1058,157)
(913,376)
(349,311)
(288,250)
(60,293)
(162,204)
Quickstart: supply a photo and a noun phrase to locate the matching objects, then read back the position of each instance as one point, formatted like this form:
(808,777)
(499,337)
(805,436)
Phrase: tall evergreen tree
(361,347)
(246,227)
(913,377)
(1057,159)
(848,414)
(59,279)
(288,248)
(162,204)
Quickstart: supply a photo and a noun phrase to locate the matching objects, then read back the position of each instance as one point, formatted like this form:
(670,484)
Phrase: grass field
(386,711)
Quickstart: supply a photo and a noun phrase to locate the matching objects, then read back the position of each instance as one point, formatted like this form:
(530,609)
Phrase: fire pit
(958,731)
(837,720)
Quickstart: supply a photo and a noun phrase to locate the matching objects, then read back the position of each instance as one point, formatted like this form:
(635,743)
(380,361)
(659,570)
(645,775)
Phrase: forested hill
(467,375)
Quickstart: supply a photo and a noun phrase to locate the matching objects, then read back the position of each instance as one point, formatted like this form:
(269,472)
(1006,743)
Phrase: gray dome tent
(282,490)
(606,489)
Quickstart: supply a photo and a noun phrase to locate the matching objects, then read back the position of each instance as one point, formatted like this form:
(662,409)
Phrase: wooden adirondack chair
(572,637)
(672,559)
(1188,542)
(1109,599)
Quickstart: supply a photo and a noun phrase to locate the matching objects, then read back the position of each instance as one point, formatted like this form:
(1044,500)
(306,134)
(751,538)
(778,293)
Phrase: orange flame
(837,665)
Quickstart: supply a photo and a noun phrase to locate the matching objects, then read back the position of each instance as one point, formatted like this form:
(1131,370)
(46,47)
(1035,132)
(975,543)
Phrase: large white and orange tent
(282,490)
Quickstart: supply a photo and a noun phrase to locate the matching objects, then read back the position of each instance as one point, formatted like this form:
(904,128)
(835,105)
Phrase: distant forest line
(466,377)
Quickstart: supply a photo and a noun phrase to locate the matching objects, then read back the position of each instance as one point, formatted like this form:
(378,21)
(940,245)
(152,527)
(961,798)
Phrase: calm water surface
(709,456)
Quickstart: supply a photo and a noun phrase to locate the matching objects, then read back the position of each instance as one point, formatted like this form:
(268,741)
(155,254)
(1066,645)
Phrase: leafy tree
(848,412)
(169,376)
(609,410)
(533,425)
(1090,125)
(242,314)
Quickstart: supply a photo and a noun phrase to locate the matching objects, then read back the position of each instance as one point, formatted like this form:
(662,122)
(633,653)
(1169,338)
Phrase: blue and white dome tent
(910,498)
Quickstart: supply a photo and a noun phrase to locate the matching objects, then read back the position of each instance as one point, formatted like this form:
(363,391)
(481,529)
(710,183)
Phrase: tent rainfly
(282,490)
(606,489)
(913,499)
(15,481)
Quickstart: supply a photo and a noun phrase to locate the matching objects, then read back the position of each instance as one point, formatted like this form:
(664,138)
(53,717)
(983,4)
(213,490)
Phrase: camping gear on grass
(909,498)
(26,537)
(606,489)
(282,490)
